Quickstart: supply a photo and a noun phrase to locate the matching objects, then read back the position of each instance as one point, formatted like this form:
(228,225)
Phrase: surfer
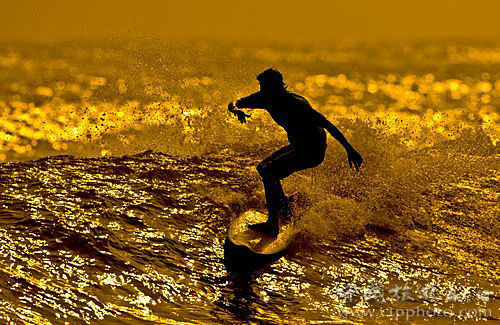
(305,128)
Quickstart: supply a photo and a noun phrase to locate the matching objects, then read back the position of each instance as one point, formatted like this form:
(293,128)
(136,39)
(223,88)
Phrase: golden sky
(290,20)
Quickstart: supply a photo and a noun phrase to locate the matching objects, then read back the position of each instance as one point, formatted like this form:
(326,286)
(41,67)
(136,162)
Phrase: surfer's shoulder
(298,100)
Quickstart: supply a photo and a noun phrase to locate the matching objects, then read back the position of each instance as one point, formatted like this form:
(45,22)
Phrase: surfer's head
(271,80)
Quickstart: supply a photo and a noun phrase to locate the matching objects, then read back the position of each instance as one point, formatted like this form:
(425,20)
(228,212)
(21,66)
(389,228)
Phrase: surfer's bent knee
(260,168)
(264,171)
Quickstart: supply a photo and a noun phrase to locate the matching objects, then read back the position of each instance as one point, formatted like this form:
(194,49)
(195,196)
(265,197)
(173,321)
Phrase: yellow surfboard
(240,235)
(246,250)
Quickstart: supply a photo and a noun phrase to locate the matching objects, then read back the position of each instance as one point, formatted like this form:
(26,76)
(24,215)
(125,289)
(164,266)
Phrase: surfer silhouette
(305,128)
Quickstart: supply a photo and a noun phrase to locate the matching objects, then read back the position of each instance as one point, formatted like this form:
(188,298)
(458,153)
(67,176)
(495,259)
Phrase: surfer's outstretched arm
(352,155)
(255,100)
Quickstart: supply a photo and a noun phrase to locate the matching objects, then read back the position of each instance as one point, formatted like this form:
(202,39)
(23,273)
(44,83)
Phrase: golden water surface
(94,228)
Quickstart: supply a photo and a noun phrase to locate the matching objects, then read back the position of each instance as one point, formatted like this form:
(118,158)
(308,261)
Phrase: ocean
(122,170)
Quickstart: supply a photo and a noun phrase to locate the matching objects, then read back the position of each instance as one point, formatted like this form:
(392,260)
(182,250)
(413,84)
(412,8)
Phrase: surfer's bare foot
(271,229)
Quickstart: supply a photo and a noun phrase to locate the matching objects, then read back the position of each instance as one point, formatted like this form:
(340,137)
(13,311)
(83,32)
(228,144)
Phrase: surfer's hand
(354,158)
(242,117)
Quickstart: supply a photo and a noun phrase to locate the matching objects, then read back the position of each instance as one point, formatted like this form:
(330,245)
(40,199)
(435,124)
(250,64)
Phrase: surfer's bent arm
(353,156)
(320,120)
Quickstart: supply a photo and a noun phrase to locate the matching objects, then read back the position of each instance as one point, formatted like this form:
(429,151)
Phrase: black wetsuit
(307,137)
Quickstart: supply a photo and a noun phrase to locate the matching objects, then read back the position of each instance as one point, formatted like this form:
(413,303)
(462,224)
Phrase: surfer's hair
(271,79)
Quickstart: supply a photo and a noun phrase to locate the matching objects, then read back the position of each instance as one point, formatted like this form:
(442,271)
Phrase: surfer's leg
(278,166)
(265,168)
(272,185)
(282,167)
(283,200)
(273,156)
(271,225)
(273,191)
(290,162)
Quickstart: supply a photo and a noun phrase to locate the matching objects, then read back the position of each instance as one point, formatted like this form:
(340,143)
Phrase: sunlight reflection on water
(140,237)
